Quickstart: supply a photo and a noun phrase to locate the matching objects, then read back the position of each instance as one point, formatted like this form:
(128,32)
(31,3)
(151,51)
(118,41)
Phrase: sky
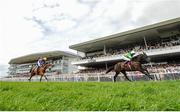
(31,26)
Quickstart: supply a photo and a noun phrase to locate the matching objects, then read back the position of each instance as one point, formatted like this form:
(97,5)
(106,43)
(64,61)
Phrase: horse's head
(142,58)
(48,65)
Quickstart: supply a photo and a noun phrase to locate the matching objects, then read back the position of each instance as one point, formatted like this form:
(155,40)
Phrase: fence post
(98,78)
(112,78)
(173,76)
(155,77)
(86,77)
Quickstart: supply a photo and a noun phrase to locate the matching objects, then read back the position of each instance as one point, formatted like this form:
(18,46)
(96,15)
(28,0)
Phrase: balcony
(152,52)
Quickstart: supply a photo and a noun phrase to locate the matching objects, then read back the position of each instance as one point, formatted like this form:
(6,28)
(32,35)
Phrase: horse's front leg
(46,78)
(124,72)
(30,77)
(41,78)
(146,73)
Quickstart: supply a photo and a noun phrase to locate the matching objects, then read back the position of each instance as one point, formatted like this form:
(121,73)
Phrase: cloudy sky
(29,26)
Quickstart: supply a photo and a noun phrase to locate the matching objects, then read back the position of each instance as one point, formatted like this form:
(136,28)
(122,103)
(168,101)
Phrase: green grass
(164,95)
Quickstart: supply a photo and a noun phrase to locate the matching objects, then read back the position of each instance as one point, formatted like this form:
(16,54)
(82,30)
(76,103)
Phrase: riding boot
(129,64)
(126,62)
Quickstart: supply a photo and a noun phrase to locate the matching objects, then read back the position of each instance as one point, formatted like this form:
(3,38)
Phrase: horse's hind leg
(41,78)
(124,72)
(115,76)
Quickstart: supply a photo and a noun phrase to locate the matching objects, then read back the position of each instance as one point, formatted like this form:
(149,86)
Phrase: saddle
(36,69)
(128,64)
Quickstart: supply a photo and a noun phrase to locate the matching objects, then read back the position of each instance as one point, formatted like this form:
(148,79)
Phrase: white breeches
(125,58)
(38,63)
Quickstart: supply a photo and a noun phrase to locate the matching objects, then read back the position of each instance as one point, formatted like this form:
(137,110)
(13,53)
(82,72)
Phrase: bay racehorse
(136,65)
(40,71)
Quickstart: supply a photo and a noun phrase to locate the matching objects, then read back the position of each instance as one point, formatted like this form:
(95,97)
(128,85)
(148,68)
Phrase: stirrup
(126,62)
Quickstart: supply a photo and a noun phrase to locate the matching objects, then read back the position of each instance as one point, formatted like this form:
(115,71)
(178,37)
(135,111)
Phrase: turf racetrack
(141,95)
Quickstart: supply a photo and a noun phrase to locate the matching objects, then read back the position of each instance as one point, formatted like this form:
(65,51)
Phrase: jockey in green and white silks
(128,56)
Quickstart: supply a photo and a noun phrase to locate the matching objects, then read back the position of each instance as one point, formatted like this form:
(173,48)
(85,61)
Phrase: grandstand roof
(150,32)
(33,57)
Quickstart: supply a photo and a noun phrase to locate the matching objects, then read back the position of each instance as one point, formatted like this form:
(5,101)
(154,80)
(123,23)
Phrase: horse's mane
(137,58)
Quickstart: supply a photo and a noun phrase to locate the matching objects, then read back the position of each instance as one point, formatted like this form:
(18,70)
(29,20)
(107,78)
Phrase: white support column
(98,78)
(104,49)
(62,64)
(145,42)
(77,54)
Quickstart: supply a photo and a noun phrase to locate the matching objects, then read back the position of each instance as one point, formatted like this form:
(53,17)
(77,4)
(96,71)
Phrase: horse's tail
(110,69)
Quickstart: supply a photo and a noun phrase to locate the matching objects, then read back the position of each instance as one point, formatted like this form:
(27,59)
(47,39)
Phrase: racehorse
(136,65)
(40,71)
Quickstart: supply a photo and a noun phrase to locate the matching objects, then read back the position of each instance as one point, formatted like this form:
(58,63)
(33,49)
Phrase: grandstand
(161,41)
(61,60)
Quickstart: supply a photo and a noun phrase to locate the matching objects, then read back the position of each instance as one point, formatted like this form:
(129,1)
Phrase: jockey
(128,56)
(41,61)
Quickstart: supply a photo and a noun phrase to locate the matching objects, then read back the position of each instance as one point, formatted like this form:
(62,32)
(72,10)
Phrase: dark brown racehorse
(40,71)
(134,66)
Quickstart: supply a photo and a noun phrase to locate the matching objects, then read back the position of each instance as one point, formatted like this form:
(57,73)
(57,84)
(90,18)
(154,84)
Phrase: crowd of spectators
(100,70)
(159,68)
(142,47)
(168,68)
(164,68)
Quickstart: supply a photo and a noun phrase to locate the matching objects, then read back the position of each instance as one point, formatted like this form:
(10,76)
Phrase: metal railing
(97,77)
